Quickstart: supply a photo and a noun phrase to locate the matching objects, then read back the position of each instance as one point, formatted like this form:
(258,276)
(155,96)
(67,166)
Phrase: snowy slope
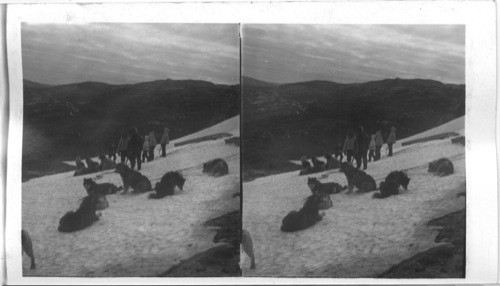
(136,236)
(231,126)
(360,236)
(456,125)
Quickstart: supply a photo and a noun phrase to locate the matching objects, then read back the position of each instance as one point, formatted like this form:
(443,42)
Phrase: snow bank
(231,125)
(456,125)
(136,236)
(359,236)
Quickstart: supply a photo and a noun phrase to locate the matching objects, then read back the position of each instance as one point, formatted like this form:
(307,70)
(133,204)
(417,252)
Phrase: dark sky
(130,53)
(353,53)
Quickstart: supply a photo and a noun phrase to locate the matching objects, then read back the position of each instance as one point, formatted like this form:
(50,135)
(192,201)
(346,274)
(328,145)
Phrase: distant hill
(284,122)
(84,119)
(33,84)
(252,82)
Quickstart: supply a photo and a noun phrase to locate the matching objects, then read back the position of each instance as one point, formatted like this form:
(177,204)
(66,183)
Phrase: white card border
(478,16)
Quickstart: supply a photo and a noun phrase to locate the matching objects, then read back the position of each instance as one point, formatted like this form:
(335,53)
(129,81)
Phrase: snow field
(135,236)
(359,236)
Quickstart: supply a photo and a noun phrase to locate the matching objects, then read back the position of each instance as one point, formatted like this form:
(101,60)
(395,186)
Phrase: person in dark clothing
(362,148)
(349,145)
(134,148)
(391,140)
(378,144)
(165,140)
(123,147)
(152,145)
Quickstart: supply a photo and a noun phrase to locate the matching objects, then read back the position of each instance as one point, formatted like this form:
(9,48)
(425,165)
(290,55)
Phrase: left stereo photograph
(131,150)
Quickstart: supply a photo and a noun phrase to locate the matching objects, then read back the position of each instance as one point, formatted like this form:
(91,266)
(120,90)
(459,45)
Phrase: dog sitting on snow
(131,178)
(216,168)
(167,185)
(391,184)
(307,216)
(358,178)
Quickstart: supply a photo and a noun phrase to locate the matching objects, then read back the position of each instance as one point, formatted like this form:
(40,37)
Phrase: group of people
(138,149)
(359,147)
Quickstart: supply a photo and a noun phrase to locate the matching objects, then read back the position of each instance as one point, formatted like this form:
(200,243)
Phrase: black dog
(391,184)
(167,185)
(82,218)
(307,216)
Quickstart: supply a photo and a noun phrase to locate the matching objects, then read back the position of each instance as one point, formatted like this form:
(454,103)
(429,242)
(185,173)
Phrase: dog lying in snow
(106,163)
(317,163)
(330,188)
(441,167)
(307,216)
(331,162)
(132,178)
(358,178)
(167,185)
(82,218)
(28,247)
(217,167)
(305,163)
(391,184)
(92,165)
(247,244)
(103,189)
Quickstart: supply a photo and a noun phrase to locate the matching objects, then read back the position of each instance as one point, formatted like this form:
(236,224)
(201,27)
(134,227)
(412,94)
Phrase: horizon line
(393,78)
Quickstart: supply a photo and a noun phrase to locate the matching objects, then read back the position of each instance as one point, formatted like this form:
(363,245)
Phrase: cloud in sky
(353,53)
(119,53)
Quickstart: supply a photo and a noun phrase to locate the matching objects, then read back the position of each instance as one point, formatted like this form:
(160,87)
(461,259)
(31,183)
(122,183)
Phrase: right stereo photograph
(353,157)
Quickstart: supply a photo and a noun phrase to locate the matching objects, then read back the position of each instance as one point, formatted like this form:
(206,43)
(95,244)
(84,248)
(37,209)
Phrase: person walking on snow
(378,144)
(145,149)
(165,140)
(391,140)
(362,148)
(152,145)
(349,143)
(371,147)
(123,147)
(134,148)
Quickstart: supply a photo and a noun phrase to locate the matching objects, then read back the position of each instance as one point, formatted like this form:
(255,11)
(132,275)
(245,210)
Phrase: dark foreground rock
(219,261)
(444,261)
